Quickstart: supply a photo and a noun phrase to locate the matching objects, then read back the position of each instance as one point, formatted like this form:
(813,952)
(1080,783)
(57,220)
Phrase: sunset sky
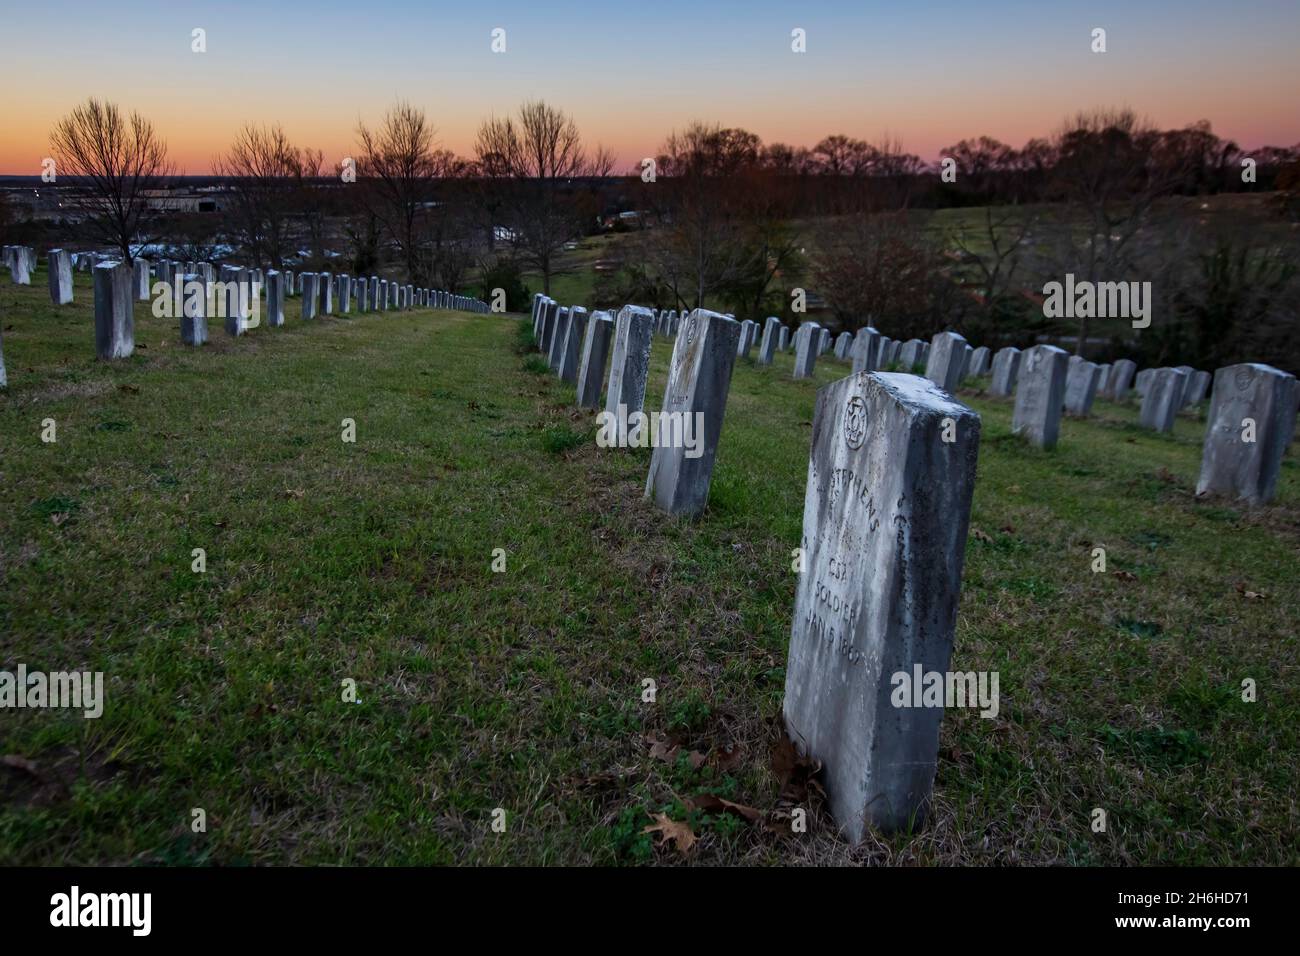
(926,73)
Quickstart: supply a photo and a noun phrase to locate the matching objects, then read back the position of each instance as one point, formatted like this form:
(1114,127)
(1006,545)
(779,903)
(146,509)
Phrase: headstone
(1040,395)
(194,309)
(967,352)
(1140,383)
(1120,380)
(771,337)
(979,362)
(571,353)
(4,381)
(19,266)
(1197,388)
(843,342)
(1163,399)
(886,513)
(947,359)
(114,316)
(595,352)
(1081,387)
(1006,366)
(274,298)
(783,340)
(748,332)
(695,399)
(549,322)
(60,276)
(823,341)
(140,279)
(1103,376)
(1249,428)
(629,365)
(325,282)
(1187,371)
(910,355)
(557,339)
(345,294)
(806,340)
(310,294)
(866,350)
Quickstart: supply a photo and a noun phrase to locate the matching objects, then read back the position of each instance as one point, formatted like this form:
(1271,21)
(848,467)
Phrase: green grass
(523,690)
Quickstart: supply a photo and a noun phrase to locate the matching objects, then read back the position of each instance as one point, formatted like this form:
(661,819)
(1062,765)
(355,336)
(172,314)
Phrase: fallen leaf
(1250,595)
(130,389)
(293,492)
(1126,575)
(979,535)
(728,758)
(1008,529)
(681,834)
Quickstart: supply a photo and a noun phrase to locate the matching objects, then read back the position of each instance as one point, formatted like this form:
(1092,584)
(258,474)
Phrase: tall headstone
(549,321)
(1120,380)
(595,353)
(629,366)
(274,298)
(807,340)
(60,276)
(748,332)
(866,350)
(344,295)
(771,338)
(310,294)
(1040,395)
(1081,379)
(571,352)
(140,279)
(1250,426)
(1163,399)
(695,399)
(194,309)
(1006,367)
(557,339)
(19,266)
(114,315)
(886,513)
(947,360)
(783,339)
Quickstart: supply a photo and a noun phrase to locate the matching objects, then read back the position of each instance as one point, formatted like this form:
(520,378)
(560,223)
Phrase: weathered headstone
(1187,371)
(140,279)
(1140,382)
(748,332)
(344,295)
(194,309)
(1081,387)
(910,355)
(699,375)
(1197,388)
(947,360)
(557,339)
(1040,395)
(886,514)
(19,266)
(843,342)
(866,350)
(824,342)
(979,362)
(1120,380)
(274,298)
(783,340)
(1006,366)
(310,294)
(806,342)
(571,352)
(629,366)
(549,322)
(60,263)
(114,316)
(1250,425)
(1163,399)
(595,353)
(771,337)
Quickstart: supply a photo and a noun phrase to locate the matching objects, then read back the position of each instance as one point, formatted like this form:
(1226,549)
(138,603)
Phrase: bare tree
(398,166)
(541,153)
(267,176)
(118,162)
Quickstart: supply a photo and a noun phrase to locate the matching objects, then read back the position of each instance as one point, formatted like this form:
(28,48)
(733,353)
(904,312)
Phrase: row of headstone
(21,263)
(705,348)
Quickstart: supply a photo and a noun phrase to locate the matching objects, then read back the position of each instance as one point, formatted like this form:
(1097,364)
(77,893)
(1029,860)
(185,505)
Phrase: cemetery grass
(523,690)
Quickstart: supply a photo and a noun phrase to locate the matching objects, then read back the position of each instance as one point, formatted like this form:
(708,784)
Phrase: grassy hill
(329,561)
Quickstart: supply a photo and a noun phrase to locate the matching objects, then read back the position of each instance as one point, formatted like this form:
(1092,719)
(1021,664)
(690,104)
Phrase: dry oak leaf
(681,834)
(1126,575)
(711,803)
